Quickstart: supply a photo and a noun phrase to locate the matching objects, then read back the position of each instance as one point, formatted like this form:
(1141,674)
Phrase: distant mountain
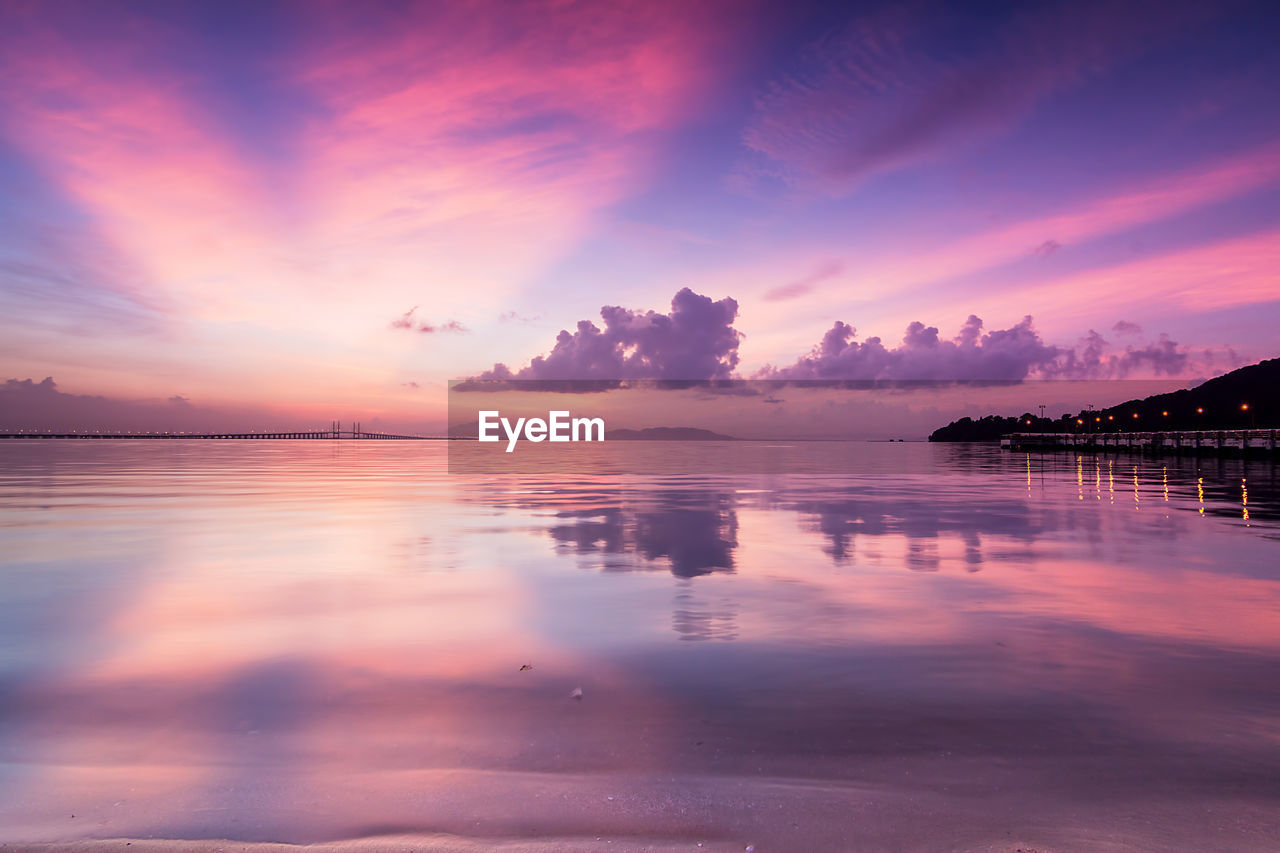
(665,434)
(468,430)
(1215,404)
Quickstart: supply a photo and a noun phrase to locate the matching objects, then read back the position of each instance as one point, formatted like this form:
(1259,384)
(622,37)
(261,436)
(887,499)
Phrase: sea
(938,646)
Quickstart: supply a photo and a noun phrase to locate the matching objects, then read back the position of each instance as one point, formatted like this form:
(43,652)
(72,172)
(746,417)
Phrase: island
(666,434)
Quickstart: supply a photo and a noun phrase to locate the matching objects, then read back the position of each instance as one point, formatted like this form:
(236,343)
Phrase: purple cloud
(1124,327)
(1012,353)
(42,406)
(516,317)
(805,285)
(885,92)
(1090,360)
(1047,248)
(696,340)
(26,404)
(1163,356)
(407,321)
(450,326)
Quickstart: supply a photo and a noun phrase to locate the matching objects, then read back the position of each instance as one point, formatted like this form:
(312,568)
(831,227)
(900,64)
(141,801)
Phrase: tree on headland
(1247,398)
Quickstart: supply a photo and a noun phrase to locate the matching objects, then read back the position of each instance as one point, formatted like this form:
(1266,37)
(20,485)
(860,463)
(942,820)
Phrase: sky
(290,213)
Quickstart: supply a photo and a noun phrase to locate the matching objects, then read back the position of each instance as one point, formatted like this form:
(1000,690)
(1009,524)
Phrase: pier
(335,432)
(1229,442)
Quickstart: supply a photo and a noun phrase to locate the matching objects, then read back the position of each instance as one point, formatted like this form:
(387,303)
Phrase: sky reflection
(306,642)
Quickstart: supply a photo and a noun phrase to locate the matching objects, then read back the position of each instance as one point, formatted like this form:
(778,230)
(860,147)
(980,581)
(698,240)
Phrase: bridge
(1224,442)
(335,431)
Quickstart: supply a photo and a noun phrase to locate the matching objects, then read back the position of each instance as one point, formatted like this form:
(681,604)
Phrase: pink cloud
(695,340)
(907,267)
(158,185)
(1221,275)
(408,321)
(469,156)
(1015,353)
(483,132)
(806,284)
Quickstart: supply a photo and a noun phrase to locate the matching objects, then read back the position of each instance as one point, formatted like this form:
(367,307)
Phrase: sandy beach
(1005,814)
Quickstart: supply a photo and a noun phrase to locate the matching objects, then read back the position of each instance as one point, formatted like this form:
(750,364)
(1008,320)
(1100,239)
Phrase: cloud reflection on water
(306,643)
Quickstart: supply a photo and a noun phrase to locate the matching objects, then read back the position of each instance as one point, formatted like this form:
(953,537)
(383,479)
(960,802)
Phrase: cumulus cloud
(1213,361)
(45,386)
(407,321)
(1164,356)
(1017,352)
(27,404)
(31,405)
(1012,353)
(1090,359)
(696,340)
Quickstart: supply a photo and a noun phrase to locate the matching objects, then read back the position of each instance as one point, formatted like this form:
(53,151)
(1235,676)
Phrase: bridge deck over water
(345,435)
(1225,442)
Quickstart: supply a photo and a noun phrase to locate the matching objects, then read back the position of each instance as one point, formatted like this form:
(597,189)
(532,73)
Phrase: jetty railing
(1223,441)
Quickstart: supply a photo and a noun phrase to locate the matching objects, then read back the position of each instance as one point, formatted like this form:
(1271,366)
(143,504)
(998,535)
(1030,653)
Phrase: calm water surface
(311,641)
